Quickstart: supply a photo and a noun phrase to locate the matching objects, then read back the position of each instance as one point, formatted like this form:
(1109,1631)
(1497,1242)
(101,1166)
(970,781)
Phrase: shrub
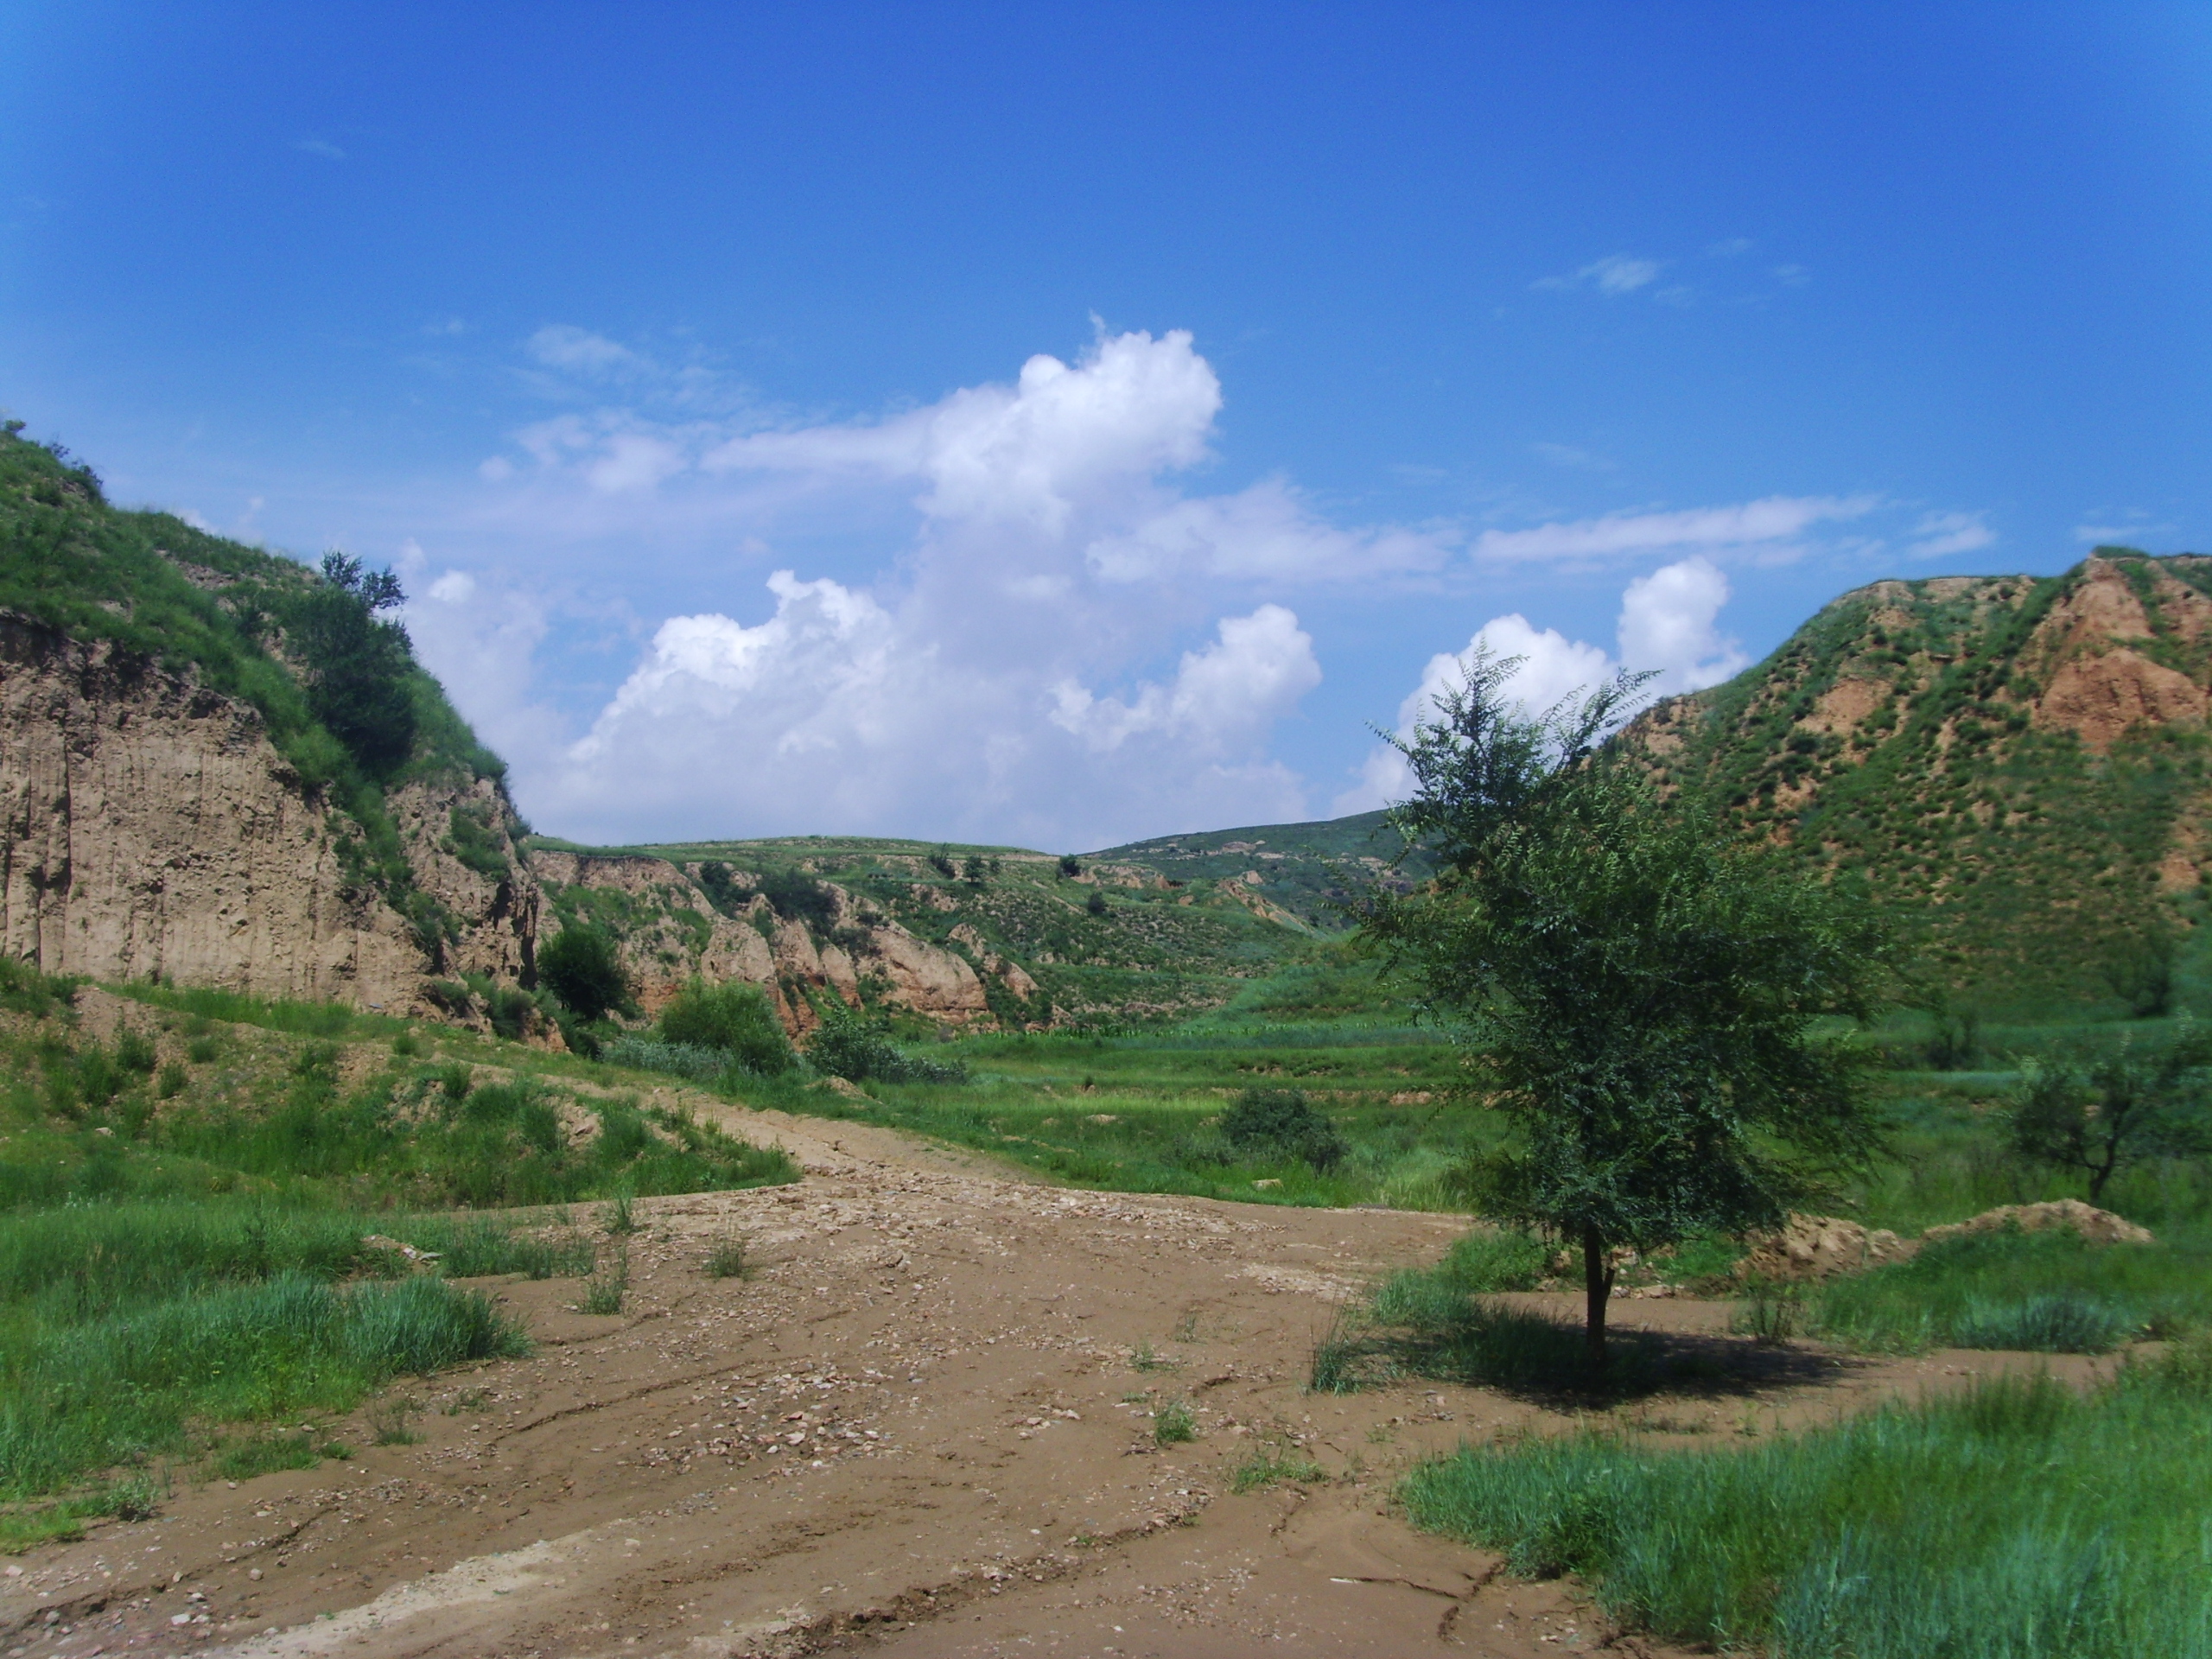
(725,1260)
(358,666)
(1173,1425)
(732,1018)
(1095,904)
(581,966)
(672,1059)
(849,1045)
(798,896)
(1283,1122)
(1071,866)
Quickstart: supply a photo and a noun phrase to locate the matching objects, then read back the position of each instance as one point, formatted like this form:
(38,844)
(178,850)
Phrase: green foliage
(849,1045)
(476,843)
(2098,1113)
(1096,904)
(1071,866)
(732,1019)
(1918,1531)
(358,667)
(1173,1425)
(580,965)
(723,892)
(1644,1003)
(798,897)
(604,1290)
(1286,1122)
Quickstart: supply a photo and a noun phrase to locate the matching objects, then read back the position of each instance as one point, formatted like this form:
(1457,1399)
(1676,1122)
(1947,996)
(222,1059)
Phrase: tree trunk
(1598,1290)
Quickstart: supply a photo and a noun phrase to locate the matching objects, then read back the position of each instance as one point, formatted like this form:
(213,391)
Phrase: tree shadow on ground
(1529,1356)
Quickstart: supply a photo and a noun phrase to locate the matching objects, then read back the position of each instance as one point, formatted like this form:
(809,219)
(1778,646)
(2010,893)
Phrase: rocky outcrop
(669,932)
(149,828)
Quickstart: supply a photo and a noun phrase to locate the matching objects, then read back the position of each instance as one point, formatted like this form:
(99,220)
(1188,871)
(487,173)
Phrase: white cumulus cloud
(1668,624)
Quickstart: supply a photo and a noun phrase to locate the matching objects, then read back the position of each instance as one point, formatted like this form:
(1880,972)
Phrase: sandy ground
(916,1429)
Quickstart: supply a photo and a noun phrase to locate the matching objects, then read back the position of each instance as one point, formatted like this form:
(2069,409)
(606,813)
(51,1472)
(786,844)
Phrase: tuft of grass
(1143,1358)
(726,1258)
(619,1220)
(1770,1315)
(390,1423)
(604,1289)
(1921,1531)
(1267,1465)
(1173,1425)
(265,1454)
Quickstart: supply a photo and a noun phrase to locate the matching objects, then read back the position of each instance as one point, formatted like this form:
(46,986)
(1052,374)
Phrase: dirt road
(922,1427)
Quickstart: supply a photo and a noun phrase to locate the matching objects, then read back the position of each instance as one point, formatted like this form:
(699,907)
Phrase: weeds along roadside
(1916,1531)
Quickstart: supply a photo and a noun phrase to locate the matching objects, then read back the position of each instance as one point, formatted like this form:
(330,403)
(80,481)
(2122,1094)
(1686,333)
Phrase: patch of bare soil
(917,1428)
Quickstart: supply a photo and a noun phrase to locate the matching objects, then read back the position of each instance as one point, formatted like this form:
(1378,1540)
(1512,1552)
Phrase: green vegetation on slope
(1900,739)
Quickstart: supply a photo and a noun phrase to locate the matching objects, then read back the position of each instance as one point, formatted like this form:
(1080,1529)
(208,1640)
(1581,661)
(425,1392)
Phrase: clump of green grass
(619,1220)
(726,1258)
(1143,1357)
(391,1423)
(1770,1315)
(1173,1425)
(2046,1292)
(604,1290)
(1269,1464)
(1925,1531)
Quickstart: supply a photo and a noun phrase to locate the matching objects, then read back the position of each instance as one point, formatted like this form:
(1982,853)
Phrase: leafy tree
(2140,971)
(1095,904)
(581,966)
(1071,866)
(358,665)
(1648,1007)
(973,868)
(732,1016)
(2099,1115)
(722,890)
(941,862)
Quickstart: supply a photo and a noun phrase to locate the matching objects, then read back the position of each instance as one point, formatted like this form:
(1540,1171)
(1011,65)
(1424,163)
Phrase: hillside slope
(2016,767)
(951,936)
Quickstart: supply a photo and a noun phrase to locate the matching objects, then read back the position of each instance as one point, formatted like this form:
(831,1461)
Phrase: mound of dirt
(1820,1247)
(2096,1226)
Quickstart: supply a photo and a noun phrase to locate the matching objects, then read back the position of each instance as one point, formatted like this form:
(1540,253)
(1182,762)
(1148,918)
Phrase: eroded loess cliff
(149,827)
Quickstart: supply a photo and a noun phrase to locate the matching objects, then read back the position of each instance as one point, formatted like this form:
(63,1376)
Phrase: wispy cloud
(1941,533)
(2130,530)
(1571,455)
(1616,273)
(321,147)
(1621,535)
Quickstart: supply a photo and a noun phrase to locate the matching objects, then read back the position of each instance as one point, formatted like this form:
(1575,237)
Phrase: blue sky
(1350,333)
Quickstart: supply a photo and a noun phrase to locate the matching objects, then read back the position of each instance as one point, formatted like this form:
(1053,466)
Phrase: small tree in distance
(2098,1115)
(581,966)
(1648,1007)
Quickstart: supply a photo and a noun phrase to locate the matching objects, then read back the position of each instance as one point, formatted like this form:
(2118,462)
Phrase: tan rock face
(150,828)
(147,826)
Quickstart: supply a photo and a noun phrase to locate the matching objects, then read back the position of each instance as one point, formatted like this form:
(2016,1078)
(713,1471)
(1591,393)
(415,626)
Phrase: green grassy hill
(2015,768)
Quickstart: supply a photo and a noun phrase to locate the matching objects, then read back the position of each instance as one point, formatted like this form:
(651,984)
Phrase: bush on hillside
(357,664)
(852,1046)
(733,1018)
(798,896)
(580,965)
(1284,1123)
